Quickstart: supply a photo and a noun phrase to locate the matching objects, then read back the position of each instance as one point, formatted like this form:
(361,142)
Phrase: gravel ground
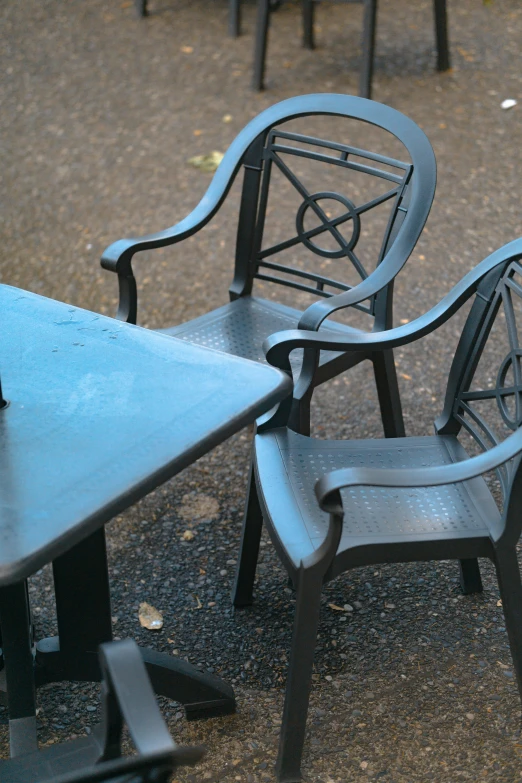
(100,113)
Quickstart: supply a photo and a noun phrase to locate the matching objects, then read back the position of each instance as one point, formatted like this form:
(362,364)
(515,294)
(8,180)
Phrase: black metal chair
(404,191)
(127,697)
(368,39)
(404,499)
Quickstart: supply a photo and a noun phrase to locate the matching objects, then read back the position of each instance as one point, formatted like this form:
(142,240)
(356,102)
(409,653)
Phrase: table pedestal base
(202,695)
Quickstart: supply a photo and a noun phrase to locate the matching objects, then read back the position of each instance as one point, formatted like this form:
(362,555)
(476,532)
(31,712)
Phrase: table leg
(18,661)
(83,611)
(84,621)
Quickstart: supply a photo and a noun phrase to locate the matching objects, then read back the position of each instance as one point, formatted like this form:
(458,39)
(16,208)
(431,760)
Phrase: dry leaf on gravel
(150,617)
(208,163)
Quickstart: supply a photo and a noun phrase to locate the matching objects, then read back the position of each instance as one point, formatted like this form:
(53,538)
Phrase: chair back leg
(263,19)
(470,579)
(388,393)
(249,547)
(508,575)
(368,48)
(299,681)
(308,23)
(234,18)
(441,35)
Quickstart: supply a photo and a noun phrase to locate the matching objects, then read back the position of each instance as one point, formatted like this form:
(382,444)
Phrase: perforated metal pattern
(241,327)
(380,513)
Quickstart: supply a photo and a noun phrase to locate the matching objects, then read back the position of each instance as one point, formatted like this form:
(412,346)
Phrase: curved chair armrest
(278,346)
(118,256)
(327,489)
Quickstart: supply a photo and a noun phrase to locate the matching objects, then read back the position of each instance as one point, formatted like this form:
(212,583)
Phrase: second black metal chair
(399,500)
(368,39)
(326,229)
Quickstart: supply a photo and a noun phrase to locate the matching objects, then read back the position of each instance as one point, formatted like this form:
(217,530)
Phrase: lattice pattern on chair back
(314,221)
(487,397)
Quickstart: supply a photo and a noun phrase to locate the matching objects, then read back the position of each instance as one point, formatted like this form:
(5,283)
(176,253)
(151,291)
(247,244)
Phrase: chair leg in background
(470,580)
(508,574)
(368,48)
(308,24)
(141,7)
(388,393)
(249,547)
(263,19)
(234,18)
(299,682)
(441,34)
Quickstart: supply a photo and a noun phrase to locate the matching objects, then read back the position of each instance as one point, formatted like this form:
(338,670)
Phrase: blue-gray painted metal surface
(101,412)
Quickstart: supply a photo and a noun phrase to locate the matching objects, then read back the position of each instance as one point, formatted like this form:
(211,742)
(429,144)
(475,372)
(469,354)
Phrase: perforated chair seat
(240,327)
(288,465)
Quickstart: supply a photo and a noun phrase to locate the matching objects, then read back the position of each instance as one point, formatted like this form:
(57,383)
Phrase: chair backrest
(328,223)
(484,392)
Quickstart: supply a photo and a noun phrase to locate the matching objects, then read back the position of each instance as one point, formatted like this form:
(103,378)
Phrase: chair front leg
(470,580)
(141,7)
(299,682)
(508,575)
(249,547)
(388,393)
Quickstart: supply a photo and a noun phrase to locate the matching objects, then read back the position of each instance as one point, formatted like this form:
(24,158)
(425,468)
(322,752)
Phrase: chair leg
(141,7)
(470,580)
(368,48)
(249,547)
(508,575)
(234,18)
(441,34)
(308,23)
(388,393)
(288,766)
(263,19)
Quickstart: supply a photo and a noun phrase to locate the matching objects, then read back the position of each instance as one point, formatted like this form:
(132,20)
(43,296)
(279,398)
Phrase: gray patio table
(99,413)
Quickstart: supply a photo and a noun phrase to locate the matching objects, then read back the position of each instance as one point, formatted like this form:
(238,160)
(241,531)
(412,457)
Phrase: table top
(100,413)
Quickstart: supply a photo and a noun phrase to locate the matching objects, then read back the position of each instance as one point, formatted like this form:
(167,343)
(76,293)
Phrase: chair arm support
(126,677)
(327,489)
(278,346)
(387,270)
